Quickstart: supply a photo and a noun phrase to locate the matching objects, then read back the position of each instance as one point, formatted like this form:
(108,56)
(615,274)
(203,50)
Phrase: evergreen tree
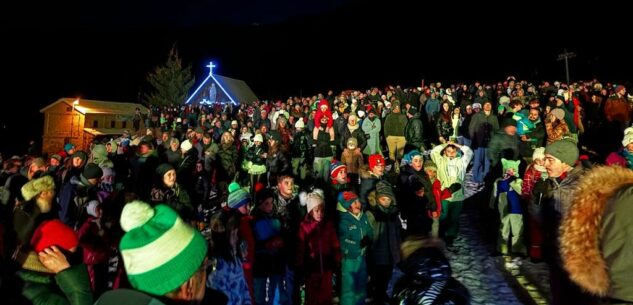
(170,82)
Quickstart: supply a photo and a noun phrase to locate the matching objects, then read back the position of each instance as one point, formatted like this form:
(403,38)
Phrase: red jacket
(319,249)
(319,114)
(245,233)
(530,177)
(439,195)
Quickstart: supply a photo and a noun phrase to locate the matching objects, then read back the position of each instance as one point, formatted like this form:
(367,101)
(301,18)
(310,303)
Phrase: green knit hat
(564,150)
(160,251)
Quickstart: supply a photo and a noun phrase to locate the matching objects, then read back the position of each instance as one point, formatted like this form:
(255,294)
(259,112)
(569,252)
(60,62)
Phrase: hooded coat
(596,234)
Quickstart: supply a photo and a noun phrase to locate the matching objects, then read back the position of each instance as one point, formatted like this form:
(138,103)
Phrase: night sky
(104,49)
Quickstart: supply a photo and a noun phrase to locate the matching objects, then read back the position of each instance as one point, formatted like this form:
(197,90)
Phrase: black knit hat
(92,171)
(162,169)
(80,154)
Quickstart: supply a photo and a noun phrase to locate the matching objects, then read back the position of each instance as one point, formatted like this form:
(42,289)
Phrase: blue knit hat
(408,157)
(238,198)
(68,147)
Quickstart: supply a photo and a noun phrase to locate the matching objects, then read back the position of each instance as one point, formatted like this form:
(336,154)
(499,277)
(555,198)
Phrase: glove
(364,242)
(540,187)
(455,187)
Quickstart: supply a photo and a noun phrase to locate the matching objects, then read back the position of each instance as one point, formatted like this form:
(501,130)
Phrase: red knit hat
(376,160)
(53,233)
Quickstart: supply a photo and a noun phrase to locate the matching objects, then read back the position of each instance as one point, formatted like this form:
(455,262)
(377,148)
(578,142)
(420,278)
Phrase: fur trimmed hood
(582,228)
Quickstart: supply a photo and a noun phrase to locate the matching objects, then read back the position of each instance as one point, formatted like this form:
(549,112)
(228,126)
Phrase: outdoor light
(210,66)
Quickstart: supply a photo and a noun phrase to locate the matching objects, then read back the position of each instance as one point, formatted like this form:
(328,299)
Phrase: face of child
(431,173)
(356,207)
(417,163)
(378,170)
(266,206)
(317,213)
(351,146)
(384,201)
(341,177)
(286,187)
(420,192)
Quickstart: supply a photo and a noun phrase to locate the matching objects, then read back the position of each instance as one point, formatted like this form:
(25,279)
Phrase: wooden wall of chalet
(107,120)
(57,128)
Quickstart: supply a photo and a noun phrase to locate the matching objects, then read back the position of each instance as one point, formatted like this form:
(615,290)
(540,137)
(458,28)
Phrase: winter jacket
(425,277)
(277,164)
(386,226)
(450,171)
(69,287)
(432,108)
(228,161)
(554,196)
(481,129)
(143,167)
(300,147)
(617,109)
(26,218)
(319,114)
(319,249)
(73,199)
(395,124)
(501,145)
(368,183)
(228,278)
(133,297)
(354,233)
(323,148)
(444,127)
(372,129)
(414,131)
(270,255)
(176,197)
(556,131)
(596,234)
(357,133)
(353,160)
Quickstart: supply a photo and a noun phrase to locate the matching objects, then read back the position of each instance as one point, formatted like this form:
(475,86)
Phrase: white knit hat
(300,124)
(314,199)
(539,153)
(258,137)
(186,145)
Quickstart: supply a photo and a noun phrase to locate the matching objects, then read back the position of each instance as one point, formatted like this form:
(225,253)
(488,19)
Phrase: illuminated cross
(211,66)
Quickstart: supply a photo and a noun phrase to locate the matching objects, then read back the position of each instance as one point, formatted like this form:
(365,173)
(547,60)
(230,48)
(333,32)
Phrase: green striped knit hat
(160,251)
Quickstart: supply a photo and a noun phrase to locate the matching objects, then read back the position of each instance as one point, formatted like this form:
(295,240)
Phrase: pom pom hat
(160,251)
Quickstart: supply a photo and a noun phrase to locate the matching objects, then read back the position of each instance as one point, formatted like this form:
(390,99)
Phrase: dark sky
(104,49)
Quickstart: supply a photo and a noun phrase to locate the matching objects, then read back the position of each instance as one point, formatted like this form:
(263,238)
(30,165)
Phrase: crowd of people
(350,198)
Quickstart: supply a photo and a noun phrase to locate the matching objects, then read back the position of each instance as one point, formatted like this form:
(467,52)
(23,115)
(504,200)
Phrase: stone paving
(491,280)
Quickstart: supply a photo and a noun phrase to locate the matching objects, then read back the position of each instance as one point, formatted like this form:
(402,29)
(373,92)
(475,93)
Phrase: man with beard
(531,133)
(38,195)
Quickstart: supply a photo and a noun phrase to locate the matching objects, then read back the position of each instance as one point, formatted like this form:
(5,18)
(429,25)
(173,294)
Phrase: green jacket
(395,124)
(596,234)
(69,287)
(351,231)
